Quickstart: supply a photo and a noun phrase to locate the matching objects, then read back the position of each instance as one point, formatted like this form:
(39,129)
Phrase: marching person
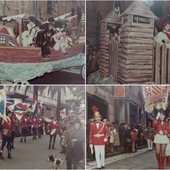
(25,123)
(6,136)
(160,139)
(53,128)
(99,135)
(167,151)
(40,127)
(13,124)
(34,125)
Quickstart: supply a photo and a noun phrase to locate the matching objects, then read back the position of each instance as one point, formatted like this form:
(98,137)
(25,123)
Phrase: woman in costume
(161,139)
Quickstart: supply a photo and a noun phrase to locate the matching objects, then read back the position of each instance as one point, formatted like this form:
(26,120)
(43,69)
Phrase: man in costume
(40,126)
(25,123)
(98,137)
(53,128)
(34,126)
(6,131)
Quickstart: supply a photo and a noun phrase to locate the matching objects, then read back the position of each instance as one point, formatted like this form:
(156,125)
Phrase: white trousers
(150,144)
(100,155)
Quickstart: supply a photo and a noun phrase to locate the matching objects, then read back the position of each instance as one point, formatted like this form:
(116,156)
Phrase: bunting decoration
(155,96)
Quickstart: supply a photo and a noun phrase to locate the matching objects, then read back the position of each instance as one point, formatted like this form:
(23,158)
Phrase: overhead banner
(155,96)
(119,92)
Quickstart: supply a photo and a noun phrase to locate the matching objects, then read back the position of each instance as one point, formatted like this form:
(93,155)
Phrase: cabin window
(2,39)
(142,20)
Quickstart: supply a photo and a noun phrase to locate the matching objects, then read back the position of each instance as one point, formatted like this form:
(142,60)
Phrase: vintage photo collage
(84,84)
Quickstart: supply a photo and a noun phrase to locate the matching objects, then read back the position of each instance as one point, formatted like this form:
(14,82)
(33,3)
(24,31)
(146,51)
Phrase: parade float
(136,57)
(20,64)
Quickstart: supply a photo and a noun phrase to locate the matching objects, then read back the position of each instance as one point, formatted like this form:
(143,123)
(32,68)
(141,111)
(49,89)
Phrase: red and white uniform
(98,137)
(161,132)
(25,123)
(167,150)
(6,128)
(40,122)
(34,123)
(98,131)
(53,125)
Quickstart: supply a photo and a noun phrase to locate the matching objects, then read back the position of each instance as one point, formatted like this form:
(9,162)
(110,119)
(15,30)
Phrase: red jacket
(53,125)
(34,123)
(6,128)
(97,135)
(25,122)
(40,122)
(160,127)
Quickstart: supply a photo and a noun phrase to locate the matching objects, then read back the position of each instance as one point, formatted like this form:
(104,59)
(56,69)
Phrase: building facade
(127,109)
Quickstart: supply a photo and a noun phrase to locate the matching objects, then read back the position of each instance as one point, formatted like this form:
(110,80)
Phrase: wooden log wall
(135,60)
(161,64)
(113,58)
(104,53)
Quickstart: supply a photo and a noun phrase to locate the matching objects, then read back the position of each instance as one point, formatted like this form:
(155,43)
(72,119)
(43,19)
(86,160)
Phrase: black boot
(49,147)
(53,147)
(9,156)
(24,140)
(1,156)
(12,147)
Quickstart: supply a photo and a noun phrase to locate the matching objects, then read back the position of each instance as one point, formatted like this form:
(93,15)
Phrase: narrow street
(143,159)
(32,154)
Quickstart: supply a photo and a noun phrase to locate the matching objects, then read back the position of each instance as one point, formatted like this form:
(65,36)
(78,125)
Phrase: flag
(33,105)
(39,106)
(10,103)
(3,104)
(17,106)
(23,106)
(117,7)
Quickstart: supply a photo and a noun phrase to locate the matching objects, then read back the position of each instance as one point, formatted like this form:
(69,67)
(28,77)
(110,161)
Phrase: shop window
(2,39)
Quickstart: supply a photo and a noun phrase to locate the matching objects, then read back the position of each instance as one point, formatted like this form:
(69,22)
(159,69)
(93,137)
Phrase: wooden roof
(7,30)
(111,17)
(140,9)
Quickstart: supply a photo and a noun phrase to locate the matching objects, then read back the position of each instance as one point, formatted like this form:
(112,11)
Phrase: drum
(53,131)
